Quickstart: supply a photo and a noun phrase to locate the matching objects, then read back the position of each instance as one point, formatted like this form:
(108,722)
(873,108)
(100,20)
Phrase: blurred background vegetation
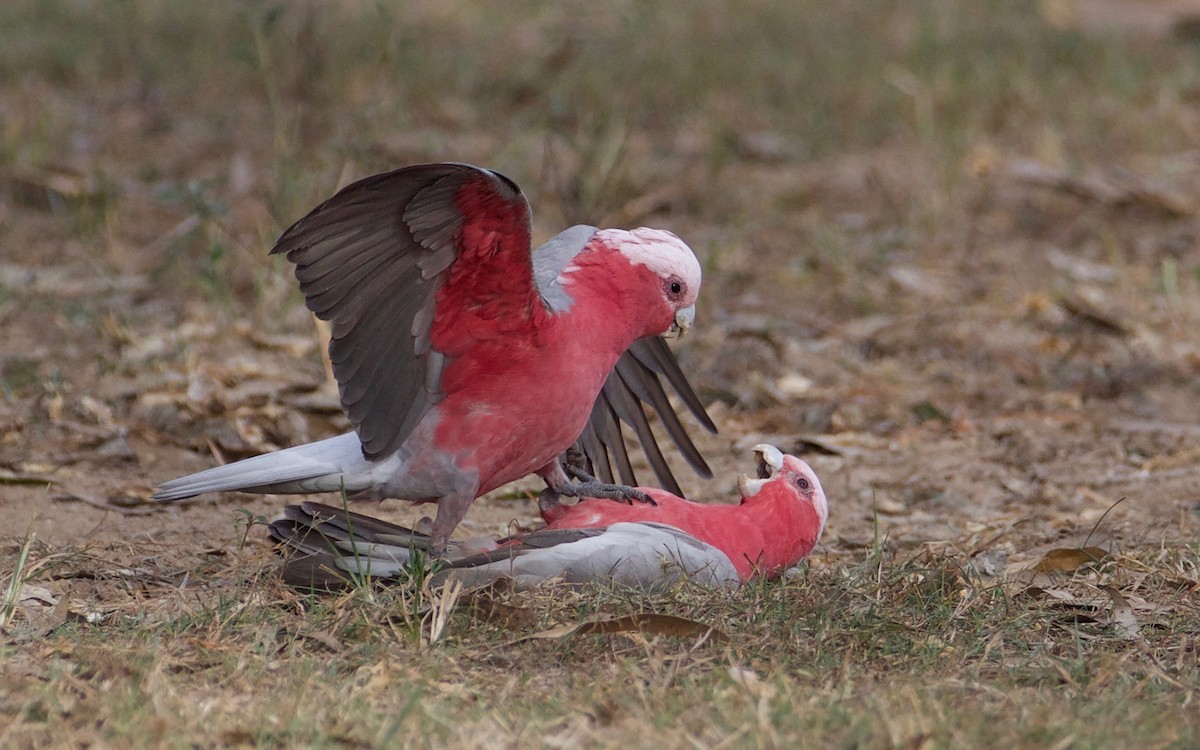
(826,159)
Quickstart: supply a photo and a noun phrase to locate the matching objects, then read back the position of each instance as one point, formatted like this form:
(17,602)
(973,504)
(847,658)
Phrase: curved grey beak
(684,318)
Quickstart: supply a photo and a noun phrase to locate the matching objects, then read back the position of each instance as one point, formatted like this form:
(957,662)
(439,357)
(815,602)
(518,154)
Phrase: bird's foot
(439,549)
(549,501)
(620,492)
(586,485)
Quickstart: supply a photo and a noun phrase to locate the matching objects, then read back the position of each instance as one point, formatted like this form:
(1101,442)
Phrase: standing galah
(463,360)
(778,522)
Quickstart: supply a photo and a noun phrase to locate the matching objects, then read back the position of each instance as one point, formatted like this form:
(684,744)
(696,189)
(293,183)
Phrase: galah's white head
(670,259)
(774,466)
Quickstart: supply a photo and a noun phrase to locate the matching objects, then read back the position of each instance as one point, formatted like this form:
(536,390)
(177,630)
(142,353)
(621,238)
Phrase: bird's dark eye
(803,484)
(676,287)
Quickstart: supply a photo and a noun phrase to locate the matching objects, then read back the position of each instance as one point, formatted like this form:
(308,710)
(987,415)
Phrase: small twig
(70,495)
(439,613)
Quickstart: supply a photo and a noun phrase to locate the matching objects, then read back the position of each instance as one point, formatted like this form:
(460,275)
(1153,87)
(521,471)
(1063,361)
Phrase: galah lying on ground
(776,525)
(463,360)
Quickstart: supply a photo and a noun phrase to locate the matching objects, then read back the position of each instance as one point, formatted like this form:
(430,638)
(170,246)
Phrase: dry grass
(951,246)
(884,651)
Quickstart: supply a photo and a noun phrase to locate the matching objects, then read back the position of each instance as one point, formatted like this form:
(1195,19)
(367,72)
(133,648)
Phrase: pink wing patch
(488,291)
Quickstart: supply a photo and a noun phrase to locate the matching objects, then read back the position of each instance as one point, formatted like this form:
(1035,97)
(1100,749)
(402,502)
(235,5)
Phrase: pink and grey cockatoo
(776,525)
(464,360)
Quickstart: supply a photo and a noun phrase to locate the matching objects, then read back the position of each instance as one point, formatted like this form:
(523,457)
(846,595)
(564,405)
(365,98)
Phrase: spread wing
(632,385)
(385,261)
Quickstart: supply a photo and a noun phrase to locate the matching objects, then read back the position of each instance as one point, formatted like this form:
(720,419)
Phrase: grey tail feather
(313,467)
(330,548)
(317,572)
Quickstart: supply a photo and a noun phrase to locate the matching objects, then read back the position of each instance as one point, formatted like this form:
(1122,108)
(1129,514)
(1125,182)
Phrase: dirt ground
(995,341)
(1025,389)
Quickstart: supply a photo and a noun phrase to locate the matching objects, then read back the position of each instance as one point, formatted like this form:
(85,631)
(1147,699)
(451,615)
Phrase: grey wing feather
(602,444)
(644,555)
(333,546)
(370,261)
(544,539)
(633,383)
(327,527)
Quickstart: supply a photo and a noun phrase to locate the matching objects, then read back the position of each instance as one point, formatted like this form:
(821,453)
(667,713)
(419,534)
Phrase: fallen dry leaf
(325,638)
(1124,622)
(1069,559)
(23,479)
(484,604)
(990,563)
(35,597)
(1064,599)
(643,622)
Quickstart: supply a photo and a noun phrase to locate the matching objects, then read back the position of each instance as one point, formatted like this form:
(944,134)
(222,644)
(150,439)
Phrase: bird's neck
(791,528)
(612,308)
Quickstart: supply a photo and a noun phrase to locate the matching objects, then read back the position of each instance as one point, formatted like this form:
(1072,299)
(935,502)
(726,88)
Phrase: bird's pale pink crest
(660,251)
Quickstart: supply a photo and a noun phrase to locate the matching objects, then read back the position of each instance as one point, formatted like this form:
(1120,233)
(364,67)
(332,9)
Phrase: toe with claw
(558,484)
(587,485)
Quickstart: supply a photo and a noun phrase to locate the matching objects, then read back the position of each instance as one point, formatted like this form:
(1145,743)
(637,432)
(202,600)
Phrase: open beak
(768,462)
(684,317)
